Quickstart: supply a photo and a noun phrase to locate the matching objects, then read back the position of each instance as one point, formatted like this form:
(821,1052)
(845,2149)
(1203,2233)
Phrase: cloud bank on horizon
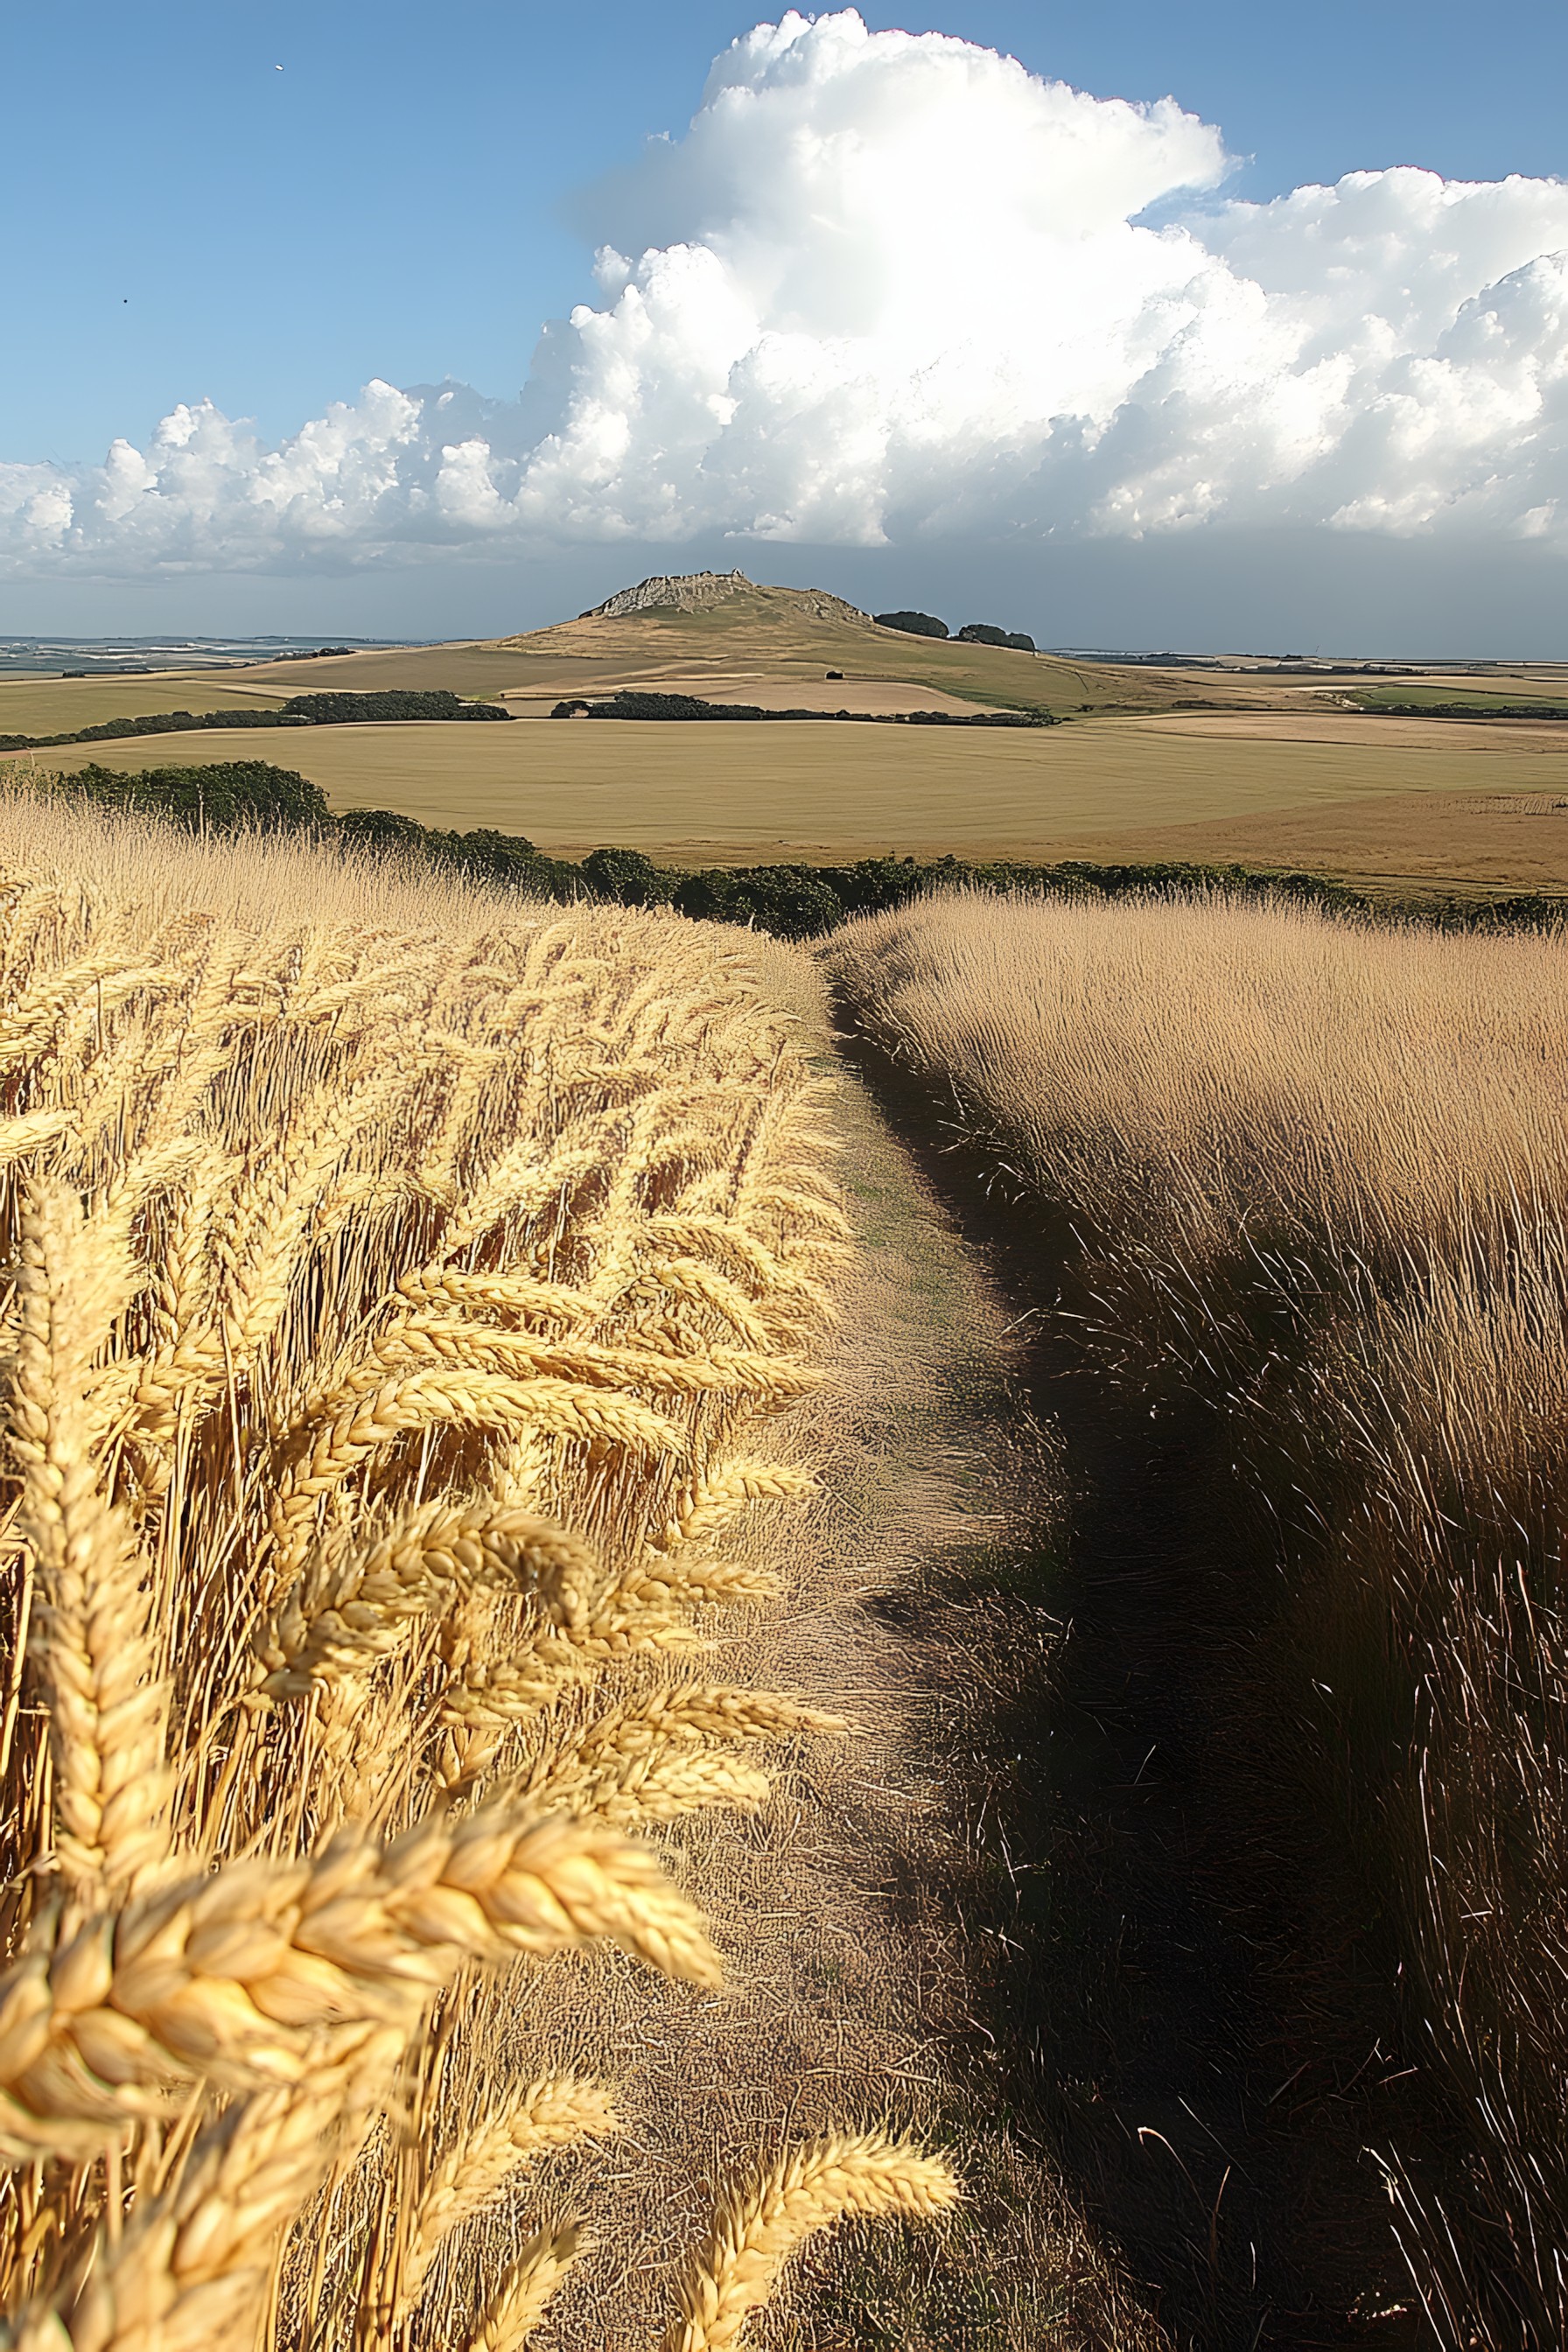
(894,288)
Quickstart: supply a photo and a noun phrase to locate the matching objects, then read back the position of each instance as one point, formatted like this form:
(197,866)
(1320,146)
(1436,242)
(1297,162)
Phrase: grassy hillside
(782,630)
(787,630)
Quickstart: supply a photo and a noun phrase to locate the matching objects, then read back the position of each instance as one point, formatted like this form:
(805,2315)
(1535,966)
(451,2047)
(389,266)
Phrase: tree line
(630,704)
(341,709)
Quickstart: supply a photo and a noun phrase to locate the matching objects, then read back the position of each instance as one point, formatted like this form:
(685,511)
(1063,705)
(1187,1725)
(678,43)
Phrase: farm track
(1197,2027)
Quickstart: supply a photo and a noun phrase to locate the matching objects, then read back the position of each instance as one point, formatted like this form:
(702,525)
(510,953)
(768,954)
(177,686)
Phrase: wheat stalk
(356,1607)
(234,1978)
(327,1451)
(193,2268)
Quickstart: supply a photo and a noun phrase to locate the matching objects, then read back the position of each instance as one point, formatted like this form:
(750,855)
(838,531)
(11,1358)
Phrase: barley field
(405,1291)
(1311,1178)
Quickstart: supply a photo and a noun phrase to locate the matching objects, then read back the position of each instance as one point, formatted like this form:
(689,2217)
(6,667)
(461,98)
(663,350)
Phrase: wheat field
(1311,1177)
(403,1287)
(735,794)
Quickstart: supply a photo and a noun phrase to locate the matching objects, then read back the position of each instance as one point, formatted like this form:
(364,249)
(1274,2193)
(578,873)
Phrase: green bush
(229,795)
(381,829)
(791,901)
(627,877)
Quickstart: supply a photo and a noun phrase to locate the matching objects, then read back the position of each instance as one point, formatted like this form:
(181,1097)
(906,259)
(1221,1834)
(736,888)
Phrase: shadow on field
(1180,1997)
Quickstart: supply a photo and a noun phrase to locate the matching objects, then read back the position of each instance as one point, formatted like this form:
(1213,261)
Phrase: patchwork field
(1258,765)
(1487,841)
(1306,791)
(53,705)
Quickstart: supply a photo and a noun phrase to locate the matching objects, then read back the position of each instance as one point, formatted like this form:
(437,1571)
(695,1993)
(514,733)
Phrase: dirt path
(869,1917)
(1208,2030)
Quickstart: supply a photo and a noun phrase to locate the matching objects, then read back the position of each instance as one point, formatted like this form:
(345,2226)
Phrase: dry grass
(1470,842)
(400,1286)
(1317,1177)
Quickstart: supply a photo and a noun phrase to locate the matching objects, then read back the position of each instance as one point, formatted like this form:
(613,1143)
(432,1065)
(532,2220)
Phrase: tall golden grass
(399,1288)
(1316,1176)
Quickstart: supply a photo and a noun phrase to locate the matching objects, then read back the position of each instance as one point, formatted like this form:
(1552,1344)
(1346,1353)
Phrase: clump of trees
(973,633)
(983,633)
(344,709)
(913,624)
(225,796)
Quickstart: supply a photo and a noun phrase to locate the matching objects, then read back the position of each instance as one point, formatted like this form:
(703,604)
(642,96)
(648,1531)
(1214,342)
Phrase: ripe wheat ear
(92,1642)
(759,2225)
(511,2317)
(488,2154)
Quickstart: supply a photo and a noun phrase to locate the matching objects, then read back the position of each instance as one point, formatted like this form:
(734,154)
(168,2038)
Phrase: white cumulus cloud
(891,288)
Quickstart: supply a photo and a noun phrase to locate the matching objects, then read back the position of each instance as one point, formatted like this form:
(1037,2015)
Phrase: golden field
(717,794)
(401,1287)
(474,1373)
(55,706)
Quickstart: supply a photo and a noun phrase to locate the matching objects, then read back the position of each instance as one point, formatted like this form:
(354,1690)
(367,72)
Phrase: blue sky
(410,197)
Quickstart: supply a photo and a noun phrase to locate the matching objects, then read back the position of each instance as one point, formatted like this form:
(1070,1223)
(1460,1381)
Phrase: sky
(1129,326)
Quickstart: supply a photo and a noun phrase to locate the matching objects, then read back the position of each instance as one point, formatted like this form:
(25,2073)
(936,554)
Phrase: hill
(729,637)
(707,626)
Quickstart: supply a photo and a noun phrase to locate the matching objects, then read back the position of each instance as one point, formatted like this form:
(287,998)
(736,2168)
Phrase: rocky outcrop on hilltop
(684,592)
(693,592)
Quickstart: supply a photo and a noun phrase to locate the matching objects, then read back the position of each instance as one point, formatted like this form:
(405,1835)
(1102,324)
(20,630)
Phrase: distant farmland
(51,706)
(739,795)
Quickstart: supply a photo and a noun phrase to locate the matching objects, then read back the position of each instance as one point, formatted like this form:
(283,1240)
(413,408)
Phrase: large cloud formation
(892,287)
